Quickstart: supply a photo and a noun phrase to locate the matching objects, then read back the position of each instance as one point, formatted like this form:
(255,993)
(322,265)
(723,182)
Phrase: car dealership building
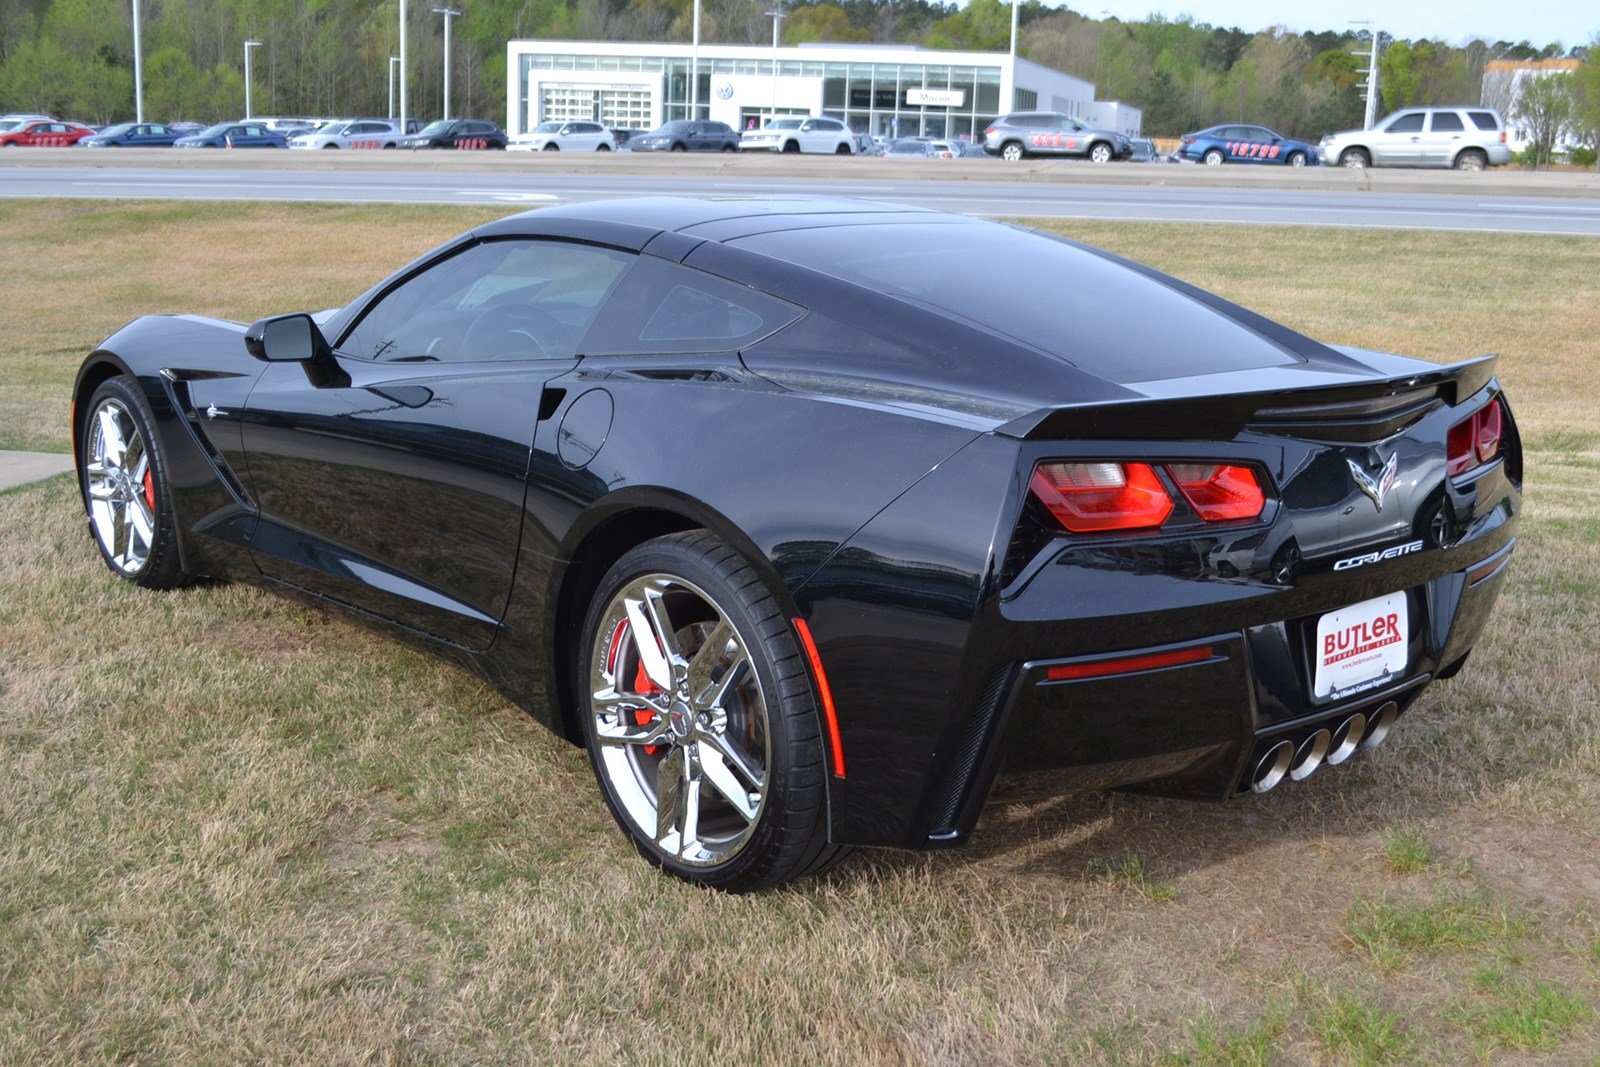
(884,90)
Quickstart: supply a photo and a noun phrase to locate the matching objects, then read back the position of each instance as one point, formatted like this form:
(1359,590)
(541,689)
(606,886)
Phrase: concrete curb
(20,468)
(1499,182)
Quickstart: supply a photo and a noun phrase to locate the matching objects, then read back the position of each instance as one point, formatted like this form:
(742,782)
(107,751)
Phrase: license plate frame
(1361,646)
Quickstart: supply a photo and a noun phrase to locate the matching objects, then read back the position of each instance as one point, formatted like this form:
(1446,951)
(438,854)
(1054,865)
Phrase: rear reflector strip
(1101,668)
(1490,567)
(824,694)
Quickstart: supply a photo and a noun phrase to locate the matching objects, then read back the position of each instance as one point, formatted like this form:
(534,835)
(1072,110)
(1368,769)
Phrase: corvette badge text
(1392,552)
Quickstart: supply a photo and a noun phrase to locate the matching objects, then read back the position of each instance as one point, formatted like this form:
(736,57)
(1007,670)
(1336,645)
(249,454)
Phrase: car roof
(716,218)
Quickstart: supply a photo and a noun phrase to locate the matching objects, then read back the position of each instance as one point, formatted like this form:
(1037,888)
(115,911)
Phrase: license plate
(1361,647)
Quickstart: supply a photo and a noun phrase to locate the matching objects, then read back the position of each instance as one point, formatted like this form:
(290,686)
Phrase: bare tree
(1545,106)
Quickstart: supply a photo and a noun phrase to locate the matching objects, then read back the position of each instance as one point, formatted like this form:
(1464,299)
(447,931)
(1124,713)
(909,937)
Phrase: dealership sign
(936,97)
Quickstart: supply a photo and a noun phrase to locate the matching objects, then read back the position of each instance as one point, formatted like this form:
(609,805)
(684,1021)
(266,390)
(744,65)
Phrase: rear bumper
(1200,726)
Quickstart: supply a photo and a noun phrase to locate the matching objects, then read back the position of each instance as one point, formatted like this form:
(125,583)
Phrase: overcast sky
(1540,21)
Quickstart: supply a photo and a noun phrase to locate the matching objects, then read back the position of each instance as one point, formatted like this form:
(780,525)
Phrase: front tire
(123,477)
(704,737)
(552,148)
(1355,158)
(1100,152)
(1297,159)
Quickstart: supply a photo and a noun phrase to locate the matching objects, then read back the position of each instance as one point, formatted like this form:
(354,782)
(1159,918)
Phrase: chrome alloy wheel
(679,720)
(120,487)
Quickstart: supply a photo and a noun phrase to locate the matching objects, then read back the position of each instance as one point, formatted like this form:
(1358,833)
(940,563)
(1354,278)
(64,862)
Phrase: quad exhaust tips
(1359,732)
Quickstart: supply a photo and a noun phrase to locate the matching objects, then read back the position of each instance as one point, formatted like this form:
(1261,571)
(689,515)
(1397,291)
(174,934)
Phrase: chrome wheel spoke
(654,650)
(112,440)
(669,796)
(722,778)
(140,522)
(689,832)
(705,660)
(720,744)
(717,695)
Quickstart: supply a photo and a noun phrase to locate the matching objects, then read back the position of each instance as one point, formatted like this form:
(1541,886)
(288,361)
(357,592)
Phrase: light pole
(777,17)
(448,13)
(394,61)
(1371,85)
(247,46)
(1013,31)
(402,64)
(138,69)
(694,67)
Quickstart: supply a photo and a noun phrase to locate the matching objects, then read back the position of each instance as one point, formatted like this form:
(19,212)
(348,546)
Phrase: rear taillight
(1219,492)
(1190,140)
(1475,440)
(1502,137)
(990,131)
(1093,497)
(1097,497)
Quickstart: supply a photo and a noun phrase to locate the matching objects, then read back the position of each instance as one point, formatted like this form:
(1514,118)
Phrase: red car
(45,134)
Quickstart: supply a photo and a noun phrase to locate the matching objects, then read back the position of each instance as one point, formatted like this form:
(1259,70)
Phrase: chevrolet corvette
(820,522)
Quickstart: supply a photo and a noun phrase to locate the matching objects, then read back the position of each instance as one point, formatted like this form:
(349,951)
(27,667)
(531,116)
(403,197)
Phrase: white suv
(810,134)
(1467,138)
(575,136)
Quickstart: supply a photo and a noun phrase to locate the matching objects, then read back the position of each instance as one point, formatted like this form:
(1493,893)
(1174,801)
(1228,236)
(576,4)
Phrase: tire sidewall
(669,556)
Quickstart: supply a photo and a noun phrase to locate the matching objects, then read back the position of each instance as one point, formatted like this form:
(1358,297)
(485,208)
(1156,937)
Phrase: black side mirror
(286,339)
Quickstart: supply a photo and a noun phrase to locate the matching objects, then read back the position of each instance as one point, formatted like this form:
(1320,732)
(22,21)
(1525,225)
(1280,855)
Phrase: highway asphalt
(1494,206)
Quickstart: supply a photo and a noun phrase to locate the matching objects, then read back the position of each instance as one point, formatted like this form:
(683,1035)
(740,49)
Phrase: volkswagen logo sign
(725,91)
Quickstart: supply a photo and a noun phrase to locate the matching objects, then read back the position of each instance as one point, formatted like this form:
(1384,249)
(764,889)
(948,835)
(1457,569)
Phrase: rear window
(1484,120)
(1447,122)
(1047,294)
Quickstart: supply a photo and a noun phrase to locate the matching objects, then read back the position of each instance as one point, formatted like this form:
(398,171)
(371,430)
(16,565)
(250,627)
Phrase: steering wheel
(510,330)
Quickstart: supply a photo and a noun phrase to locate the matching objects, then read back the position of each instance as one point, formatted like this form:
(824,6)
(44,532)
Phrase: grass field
(231,829)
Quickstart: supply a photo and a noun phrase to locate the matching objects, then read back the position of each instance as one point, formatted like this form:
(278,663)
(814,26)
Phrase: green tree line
(74,58)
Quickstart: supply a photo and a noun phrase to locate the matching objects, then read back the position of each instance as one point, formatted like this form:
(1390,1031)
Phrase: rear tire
(1472,159)
(843,150)
(1013,152)
(602,148)
(737,713)
(123,479)
(1213,157)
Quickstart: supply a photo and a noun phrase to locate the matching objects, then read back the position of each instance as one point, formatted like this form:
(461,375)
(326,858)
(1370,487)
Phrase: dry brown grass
(232,829)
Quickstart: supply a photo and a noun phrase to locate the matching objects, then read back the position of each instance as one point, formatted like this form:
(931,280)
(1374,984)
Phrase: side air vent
(1349,421)
(181,400)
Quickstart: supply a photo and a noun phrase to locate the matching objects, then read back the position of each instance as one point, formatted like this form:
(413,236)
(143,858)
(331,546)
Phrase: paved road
(1485,212)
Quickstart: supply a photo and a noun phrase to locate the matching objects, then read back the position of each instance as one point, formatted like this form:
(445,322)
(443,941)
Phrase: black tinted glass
(1406,124)
(1447,122)
(1484,120)
(661,307)
(1050,295)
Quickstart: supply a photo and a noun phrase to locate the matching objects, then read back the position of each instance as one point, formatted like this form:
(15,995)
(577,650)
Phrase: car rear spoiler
(1372,410)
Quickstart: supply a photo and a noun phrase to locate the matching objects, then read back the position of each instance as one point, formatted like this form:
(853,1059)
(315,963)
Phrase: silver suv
(1050,133)
(1467,138)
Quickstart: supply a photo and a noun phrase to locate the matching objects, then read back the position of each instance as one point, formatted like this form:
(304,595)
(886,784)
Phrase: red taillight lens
(989,132)
(1474,440)
(1090,497)
(1219,491)
(1190,140)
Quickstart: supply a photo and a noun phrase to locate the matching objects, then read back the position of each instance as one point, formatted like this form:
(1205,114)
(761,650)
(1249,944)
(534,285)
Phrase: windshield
(7,125)
(433,128)
(784,124)
(674,127)
(907,148)
(215,131)
(547,127)
(115,131)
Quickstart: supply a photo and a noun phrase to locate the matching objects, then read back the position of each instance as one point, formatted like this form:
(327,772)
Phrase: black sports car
(814,519)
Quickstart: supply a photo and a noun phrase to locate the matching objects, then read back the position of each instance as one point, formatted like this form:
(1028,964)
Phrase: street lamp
(138,69)
(1371,85)
(694,67)
(777,17)
(403,114)
(448,13)
(394,61)
(247,46)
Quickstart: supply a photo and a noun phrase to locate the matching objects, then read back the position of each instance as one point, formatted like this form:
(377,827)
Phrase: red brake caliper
(644,687)
(150,489)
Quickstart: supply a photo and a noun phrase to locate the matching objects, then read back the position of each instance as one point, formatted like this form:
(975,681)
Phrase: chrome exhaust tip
(1346,739)
(1272,766)
(1378,729)
(1309,756)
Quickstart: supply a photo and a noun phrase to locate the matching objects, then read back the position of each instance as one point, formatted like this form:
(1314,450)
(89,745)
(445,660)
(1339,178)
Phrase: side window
(1484,120)
(664,308)
(1408,123)
(157,129)
(1447,122)
(498,300)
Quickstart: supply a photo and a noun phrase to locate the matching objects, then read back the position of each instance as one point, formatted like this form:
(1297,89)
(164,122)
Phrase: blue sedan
(1245,144)
(234,135)
(133,135)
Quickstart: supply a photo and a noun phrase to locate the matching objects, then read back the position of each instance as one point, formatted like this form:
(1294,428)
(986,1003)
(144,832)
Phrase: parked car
(12,121)
(350,133)
(574,136)
(909,148)
(133,135)
(184,127)
(813,134)
(47,134)
(944,149)
(1233,143)
(1210,566)
(288,125)
(1050,133)
(867,145)
(682,135)
(1145,151)
(970,150)
(233,135)
(457,133)
(1467,138)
